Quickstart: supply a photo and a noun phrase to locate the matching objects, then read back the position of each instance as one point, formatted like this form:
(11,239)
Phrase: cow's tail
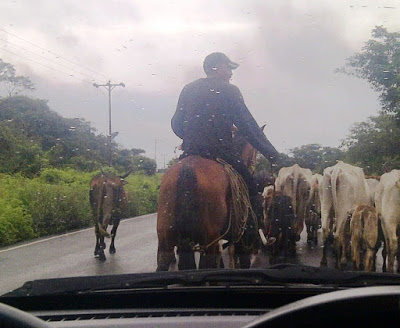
(187,212)
(334,186)
(294,190)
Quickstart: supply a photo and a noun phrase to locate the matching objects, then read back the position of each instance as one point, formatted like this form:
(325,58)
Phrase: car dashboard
(214,306)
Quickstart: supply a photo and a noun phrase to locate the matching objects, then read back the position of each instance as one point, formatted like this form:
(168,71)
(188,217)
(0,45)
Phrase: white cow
(387,201)
(343,188)
(313,209)
(295,182)
(373,185)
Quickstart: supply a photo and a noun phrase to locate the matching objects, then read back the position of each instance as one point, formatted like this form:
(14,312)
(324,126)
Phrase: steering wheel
(12,317)
(350,307)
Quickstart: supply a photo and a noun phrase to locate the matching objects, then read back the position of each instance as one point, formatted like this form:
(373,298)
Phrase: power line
(53,53)
(52,68)
(69,68)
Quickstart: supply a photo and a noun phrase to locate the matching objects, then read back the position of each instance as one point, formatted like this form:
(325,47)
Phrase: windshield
(129,131)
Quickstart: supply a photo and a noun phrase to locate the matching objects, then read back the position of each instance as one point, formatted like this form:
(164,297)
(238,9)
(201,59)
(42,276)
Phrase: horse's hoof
(102,257)
(324,263)
(112,250)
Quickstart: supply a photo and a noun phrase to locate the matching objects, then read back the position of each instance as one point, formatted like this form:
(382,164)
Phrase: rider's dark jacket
(206,111)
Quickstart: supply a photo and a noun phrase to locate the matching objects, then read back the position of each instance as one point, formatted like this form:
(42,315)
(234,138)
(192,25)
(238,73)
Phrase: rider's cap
(212,60)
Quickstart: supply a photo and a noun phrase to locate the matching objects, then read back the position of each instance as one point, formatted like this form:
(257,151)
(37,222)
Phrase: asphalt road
(71,254)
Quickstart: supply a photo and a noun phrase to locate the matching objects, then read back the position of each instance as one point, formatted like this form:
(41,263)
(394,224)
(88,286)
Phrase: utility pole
(109,86)
(155,151)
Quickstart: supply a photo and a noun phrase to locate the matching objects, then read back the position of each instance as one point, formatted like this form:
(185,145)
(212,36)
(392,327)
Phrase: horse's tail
(187,210)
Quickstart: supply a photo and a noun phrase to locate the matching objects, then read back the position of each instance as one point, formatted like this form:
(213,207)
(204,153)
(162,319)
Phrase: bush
(58,201)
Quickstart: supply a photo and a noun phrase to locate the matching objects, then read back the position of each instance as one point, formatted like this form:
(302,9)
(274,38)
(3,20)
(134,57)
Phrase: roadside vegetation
(47,162)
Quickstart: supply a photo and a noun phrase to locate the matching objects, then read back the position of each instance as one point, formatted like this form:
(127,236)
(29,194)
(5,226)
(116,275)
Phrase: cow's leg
(308,221)
(369,260)
(325,240)
(384,255)
(355,252)
(102,256)
(112,249)
(389,231)
(208,259)
(97,247)
(244,260)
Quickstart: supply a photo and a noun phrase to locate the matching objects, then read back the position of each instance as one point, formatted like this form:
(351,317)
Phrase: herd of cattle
(356,213)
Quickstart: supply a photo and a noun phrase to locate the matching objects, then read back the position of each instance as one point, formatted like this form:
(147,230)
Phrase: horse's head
(247,152)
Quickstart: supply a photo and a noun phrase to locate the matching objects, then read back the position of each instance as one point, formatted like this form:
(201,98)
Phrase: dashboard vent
(85,316)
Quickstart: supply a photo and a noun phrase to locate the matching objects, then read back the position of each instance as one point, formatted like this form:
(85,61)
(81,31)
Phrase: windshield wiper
(278,275)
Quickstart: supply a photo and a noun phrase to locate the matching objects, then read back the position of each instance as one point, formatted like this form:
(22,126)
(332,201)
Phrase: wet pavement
(71,254)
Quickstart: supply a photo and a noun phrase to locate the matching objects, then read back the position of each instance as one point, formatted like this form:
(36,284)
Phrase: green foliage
(143,193)
(60,142)
(15,223)
(13,84)
(144,164)
(315,157)
(374,144)
(379,64)
(17,153)
(58,201)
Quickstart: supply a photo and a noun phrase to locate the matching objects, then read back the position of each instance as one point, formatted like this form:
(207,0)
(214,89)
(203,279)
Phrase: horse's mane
(239,141)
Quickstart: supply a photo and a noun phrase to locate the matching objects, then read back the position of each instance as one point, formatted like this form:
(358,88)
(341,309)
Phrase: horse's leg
(165,258)
(186,258)
(231,252)
(97,247)
(112,249)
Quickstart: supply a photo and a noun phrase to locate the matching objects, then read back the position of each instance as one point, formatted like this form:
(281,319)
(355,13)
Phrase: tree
(14,84)
(18,154)
(379,64)
(144,164)
(316,157)
(374,144)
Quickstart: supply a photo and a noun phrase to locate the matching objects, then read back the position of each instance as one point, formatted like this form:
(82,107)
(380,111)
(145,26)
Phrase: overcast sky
(287,50)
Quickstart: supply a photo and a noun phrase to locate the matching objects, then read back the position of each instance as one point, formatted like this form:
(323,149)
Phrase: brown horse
(194,209)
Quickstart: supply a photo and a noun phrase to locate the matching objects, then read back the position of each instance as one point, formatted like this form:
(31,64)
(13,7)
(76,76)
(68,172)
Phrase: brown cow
(364,237)
(109,203)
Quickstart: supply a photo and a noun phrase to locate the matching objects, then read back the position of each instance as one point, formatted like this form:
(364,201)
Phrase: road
(71,254)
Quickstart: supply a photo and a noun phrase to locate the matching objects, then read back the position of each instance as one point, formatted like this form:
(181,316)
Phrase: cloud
(287,52)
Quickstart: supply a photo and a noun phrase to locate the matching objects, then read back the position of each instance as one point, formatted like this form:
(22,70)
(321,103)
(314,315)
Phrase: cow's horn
(262,128)
(262,236)
(126,174)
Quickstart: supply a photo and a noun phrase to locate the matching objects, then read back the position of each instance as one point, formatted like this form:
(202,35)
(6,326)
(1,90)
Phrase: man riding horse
(207,111)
